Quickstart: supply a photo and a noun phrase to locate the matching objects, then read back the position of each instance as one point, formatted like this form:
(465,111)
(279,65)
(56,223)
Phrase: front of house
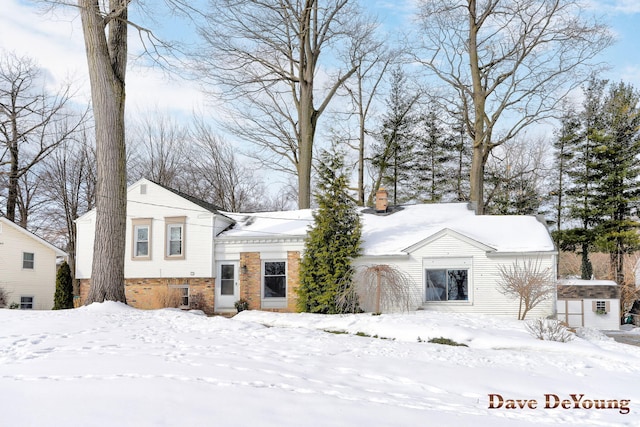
(175,244)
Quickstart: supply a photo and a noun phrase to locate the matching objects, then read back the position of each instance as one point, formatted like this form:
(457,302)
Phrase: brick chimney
(381,200)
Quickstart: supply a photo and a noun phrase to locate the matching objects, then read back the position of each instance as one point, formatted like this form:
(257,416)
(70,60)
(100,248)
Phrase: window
(28,260)
(184,296)
(26,303)
(447,285)
(227,279)
(142,241)
(141,238)
(175,237)
(601,307)
(275,279)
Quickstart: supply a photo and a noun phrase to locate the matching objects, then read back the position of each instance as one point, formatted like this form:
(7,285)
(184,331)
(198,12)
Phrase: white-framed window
(447,284)
(274,284)
(447,280)
(28,260)
(175,238)
(26,303)
(141,238)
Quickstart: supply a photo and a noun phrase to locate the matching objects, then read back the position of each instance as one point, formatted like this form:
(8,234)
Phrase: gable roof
(203,204)
(24,231)
(407,228)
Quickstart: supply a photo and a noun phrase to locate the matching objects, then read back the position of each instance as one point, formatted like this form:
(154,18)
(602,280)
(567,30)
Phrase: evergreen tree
(432,161)
(332,242)
(582,172)
(617,173)
(393,154)
(63,297)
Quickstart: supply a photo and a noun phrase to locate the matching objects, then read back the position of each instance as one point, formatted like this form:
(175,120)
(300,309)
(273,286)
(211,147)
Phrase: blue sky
(55,41)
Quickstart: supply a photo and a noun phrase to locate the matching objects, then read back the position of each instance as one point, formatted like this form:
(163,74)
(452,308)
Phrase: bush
(63,297)
(4,298)
(446,341)
(549,330)
(241,305)
(197,301)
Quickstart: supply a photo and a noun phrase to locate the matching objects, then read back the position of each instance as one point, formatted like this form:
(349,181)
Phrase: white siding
(158,203)
(39,282)
(589,318)
(484,296)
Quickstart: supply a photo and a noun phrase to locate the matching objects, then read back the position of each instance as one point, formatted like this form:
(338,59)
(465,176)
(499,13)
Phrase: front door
(227,286)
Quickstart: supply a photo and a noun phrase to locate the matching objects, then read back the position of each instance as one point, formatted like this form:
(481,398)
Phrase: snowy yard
(111,365)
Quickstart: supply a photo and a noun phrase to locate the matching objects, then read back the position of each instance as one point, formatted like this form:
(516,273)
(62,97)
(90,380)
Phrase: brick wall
(154,293)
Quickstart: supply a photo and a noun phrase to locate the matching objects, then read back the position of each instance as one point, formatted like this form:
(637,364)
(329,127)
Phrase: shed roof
(588,289)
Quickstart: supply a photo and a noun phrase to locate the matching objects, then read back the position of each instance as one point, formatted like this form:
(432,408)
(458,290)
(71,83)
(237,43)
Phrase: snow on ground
(112,365)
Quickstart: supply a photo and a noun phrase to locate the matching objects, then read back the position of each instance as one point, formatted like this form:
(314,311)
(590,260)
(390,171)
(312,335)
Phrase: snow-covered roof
(393,234)
(583,282)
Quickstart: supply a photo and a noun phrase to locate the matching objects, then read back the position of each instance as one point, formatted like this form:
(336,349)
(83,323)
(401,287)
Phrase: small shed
(589,303)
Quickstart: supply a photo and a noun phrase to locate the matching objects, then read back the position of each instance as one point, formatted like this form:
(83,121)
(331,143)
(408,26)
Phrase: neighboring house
(589,303)
(27,267)
(177,242)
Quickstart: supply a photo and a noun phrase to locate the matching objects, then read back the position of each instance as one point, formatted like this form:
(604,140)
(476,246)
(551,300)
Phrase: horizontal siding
(485,298)
(39,283)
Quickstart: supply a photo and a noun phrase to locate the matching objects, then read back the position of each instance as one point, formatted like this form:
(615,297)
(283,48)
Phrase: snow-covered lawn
(112,365)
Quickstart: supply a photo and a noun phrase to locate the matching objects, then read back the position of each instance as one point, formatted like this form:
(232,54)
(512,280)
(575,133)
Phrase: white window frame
(448,264)
(172,222)
(32,261)
(137,223)
(32,303)
(270,301)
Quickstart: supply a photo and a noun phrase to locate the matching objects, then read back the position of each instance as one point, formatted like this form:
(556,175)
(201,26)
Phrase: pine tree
(617,174)
(332,242)
(432,161)
(582,172)
(393,153)
(63,297)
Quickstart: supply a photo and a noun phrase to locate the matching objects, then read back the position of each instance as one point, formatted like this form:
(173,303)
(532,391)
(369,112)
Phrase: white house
(589,303)
(450,253)
(27,267)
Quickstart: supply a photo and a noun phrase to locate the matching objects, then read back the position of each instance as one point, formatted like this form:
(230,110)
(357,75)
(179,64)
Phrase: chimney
(381,200)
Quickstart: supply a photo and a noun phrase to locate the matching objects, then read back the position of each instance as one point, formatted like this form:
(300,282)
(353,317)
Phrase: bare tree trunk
(107,64)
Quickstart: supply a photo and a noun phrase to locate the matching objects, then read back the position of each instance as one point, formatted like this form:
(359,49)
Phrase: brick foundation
(154,293)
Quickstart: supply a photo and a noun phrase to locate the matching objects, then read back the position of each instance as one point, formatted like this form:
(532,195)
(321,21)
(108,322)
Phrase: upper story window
(28,260)
(141,239)
(175,237)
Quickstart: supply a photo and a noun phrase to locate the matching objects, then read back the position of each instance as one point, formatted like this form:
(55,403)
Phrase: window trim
(32,303)
(274,302)
(447,285)
(33,261)
(170,222)
(453,263)
(141,222)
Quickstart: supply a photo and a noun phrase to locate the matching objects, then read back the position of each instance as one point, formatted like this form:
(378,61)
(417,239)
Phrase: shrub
(63,297)
(445,341)
(241,305)
(197,301)
(549,330)
(167,297)
(4,298)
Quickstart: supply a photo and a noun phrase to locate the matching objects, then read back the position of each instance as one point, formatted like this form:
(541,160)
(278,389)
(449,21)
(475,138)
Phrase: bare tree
(528,281)
(509,62)
(162,145)
(69,183)
(33,123)
(377,289)
(104,26)
(266,60)
(219,176)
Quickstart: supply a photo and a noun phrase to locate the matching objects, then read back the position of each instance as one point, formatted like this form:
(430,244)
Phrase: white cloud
(56,42)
